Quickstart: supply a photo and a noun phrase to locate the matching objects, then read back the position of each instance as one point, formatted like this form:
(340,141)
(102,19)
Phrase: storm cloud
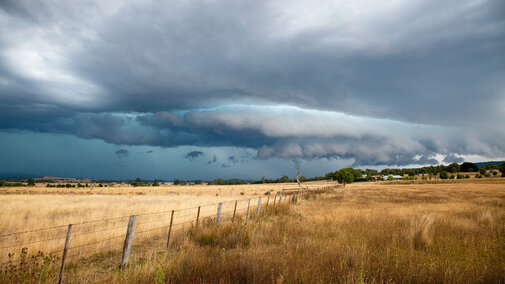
(380,83)
(193,155)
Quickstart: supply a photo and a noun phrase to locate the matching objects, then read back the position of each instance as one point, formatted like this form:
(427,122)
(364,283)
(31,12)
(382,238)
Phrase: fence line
(231,209)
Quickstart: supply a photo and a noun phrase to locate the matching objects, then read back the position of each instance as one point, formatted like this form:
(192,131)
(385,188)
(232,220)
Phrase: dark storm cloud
(122,153)
(452,159)
(388,83)
(193,155)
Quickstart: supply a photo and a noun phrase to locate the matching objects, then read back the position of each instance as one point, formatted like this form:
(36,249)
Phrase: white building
(395,177)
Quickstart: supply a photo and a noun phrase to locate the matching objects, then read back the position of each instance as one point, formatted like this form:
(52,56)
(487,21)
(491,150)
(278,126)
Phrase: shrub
(444,175)
(495,173)
(467,176)
(267,193)
(30,182)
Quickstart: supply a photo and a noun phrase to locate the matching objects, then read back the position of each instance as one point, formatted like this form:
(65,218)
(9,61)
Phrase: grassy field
(367,232)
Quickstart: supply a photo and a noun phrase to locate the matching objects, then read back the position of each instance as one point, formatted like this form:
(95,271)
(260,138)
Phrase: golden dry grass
(108,213)
(367,232)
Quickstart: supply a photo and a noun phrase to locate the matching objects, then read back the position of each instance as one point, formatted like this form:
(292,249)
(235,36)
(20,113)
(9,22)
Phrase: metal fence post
(170,227)
(128,241)
(64,257)
(218,215)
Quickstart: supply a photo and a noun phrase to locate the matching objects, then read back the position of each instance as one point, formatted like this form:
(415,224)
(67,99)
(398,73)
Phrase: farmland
(372,232)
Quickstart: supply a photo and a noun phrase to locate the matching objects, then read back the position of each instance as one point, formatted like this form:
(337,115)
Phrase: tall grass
(364,233)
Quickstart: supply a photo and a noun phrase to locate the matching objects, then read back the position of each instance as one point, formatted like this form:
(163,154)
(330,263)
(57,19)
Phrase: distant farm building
(395,177)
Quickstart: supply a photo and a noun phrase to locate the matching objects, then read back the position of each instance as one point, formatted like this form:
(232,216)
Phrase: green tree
(453,168)
(482,171)
(469,167)
(502,169)
(1,183)
(30,182)
(444,175)
(219,181)
(345,176)
(156,183)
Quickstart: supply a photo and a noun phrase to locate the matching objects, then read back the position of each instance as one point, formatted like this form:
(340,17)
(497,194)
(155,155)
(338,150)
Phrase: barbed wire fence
(107,237)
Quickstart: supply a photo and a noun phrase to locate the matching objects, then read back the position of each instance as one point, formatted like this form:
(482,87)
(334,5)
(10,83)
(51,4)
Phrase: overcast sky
(206,89)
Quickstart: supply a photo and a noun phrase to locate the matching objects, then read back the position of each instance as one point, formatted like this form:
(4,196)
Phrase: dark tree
(469,167)
(30,182)
(453,168)
(156,183)
(345,176)
(502,169)
(444,175)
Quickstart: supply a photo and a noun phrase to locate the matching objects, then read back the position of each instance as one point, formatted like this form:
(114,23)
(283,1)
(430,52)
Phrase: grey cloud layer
(398,81)
(282,132)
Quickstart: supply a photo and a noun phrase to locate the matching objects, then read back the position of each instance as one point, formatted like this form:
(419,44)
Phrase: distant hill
(16,176)
(480,164)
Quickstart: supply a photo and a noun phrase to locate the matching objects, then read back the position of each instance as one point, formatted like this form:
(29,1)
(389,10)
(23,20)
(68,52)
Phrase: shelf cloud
(389,83)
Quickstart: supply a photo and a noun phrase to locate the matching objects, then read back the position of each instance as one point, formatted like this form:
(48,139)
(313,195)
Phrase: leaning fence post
(170,227)
(218,215)
(64,257)
(294,198)
(258,209)
(128,241)
(268,199)
(248,206)
(280,198)
(234,211)
(197,216)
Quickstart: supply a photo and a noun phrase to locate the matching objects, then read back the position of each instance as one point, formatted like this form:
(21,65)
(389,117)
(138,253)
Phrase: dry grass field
(104,213)
(367,232)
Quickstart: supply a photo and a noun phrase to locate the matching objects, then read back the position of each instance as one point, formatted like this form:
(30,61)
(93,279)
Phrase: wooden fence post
(234,211)
(128,241)
(64,257)
(248,206)
(197,216)
(275,198)
(258,209)
(170,227)
(218,215)
(268,199)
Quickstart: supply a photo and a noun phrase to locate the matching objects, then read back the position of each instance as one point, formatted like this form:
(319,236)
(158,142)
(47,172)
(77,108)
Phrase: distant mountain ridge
(480,164)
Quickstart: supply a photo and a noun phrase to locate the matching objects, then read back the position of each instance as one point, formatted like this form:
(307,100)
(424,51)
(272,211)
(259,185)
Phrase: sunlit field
(102,213)
(366,232)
